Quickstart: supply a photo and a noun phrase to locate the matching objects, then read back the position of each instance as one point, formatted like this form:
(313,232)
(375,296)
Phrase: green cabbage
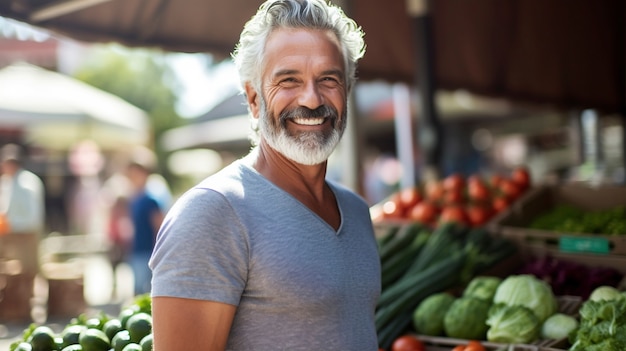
(429,314)
(512,324)
(466,318)
(528,291)
(482,287)
(558,326)
(605,292)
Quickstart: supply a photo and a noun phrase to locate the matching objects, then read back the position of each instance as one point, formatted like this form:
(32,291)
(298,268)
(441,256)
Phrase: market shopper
(22,194)
(268,254)
(146,216)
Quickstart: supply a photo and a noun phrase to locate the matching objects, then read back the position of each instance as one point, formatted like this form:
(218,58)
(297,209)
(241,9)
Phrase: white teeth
(309,121)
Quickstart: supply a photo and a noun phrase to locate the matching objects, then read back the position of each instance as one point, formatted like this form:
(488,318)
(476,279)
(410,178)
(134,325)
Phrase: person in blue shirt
(146,214)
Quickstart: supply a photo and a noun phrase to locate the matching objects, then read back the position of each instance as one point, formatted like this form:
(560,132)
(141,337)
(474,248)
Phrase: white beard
(308,148)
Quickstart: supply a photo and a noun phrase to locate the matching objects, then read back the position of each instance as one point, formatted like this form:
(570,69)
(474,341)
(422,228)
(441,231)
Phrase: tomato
(510,189)
(434,190)
(453,196)
(459,348)
(500,203)
(477,215)
(474,345)
(409,197)
(392,208)
(424,212)
(521,176)
(454,181)
(477,191)
(454,214)
(408,343)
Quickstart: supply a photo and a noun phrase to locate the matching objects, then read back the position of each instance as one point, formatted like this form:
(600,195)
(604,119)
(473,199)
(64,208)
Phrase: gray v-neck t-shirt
(237,238)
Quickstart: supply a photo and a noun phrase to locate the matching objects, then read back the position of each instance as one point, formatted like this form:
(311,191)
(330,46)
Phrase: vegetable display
(571,219)
(602,325)
(131,330)
(528,291)
(465,200)
(428,261)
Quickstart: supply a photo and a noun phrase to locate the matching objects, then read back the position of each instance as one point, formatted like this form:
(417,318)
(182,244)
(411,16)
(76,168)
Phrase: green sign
(584,245)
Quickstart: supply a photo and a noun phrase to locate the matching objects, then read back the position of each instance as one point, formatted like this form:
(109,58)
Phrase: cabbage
(429,314)
(528,291)
(605,292)
(482,287)
(512,324)
(466,318)
(558,326)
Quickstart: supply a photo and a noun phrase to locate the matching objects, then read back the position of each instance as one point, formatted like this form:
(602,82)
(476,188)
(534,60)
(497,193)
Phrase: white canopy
(57,111)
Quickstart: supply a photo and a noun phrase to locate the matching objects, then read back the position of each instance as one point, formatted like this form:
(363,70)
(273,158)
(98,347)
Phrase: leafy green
(482,287)
(605,292)
(512,324)
(429,314)
(466,318)
(602,326)
(558,326)
(528,291)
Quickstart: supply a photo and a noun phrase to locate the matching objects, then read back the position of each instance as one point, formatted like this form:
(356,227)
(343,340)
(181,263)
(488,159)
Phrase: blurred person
(22,197)
(146,215)
(268,253)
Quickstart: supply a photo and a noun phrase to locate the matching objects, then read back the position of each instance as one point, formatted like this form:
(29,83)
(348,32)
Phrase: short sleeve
(201,250)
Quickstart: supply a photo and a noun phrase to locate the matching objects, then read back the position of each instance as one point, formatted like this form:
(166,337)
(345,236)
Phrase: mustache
(305,112)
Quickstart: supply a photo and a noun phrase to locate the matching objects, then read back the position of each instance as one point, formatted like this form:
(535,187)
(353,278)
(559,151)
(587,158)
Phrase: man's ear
(253,100)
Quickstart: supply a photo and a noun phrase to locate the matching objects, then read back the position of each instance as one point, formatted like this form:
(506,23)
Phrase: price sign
(584,245)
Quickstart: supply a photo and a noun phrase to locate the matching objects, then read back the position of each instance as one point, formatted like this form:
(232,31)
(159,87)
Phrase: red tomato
(477,215)
(424,212)
(477,191)
(474,345)
(454,214)
(459,348)
(499,203)
(510,189)
(521,176)
(454,181)
(434,190)
(408,343)
(453,196)
(409,197)
(392,209)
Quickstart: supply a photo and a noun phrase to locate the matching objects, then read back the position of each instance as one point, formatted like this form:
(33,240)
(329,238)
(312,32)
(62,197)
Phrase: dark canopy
(569,53)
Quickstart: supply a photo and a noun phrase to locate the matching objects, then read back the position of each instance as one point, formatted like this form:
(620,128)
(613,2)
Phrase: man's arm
(188,324)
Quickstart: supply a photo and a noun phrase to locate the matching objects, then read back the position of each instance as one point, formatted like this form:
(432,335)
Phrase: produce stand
(591,249)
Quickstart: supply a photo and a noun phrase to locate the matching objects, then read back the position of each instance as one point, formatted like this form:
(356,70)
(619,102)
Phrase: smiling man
(268,254)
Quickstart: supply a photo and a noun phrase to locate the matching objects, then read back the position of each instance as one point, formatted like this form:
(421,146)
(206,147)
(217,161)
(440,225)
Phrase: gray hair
(312,14)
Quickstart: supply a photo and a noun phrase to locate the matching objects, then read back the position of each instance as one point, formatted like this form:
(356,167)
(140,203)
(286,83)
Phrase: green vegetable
(602,326)
(482,287)
(512,324)
(605,292)
(466,318)
(429,314)
(558,326)
(528,291)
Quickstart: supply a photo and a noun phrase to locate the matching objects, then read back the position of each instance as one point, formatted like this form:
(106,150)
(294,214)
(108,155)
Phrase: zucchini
(396,266)
(401,240)
(409,290)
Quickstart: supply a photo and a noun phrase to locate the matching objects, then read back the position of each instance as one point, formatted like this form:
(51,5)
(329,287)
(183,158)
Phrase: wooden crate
(66,293)
(16,293)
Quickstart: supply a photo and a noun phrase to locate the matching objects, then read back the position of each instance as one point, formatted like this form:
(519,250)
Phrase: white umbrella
(57,111)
